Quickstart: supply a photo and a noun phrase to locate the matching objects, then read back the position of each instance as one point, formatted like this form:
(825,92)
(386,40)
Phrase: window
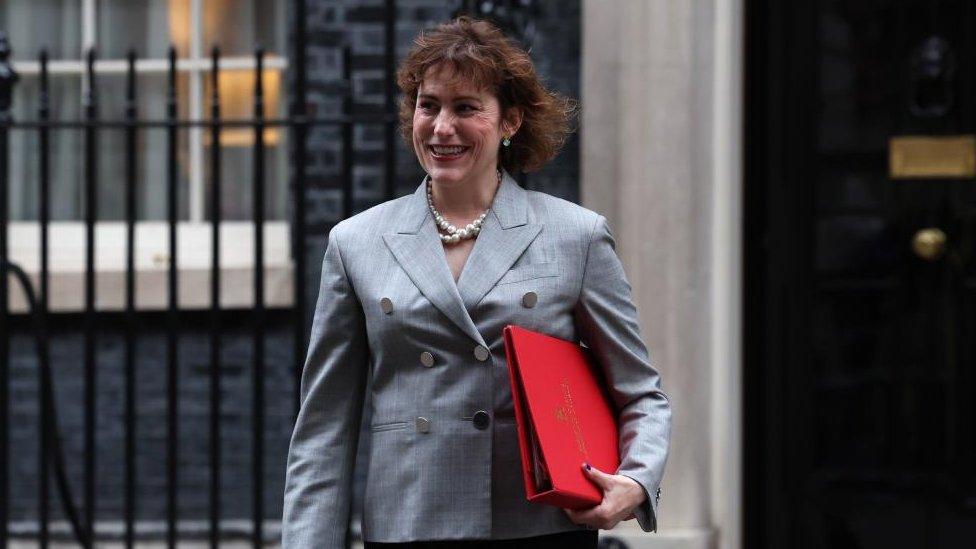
(67,28)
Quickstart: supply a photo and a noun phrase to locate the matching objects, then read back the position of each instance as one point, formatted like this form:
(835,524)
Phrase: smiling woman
(415,294)
(473,105)
(497,67)
(457,127)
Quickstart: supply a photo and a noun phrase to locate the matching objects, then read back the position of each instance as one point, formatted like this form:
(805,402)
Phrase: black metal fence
(93,124)
(513,15)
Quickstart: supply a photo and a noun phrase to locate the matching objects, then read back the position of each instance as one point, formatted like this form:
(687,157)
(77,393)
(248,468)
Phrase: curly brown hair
(479,53)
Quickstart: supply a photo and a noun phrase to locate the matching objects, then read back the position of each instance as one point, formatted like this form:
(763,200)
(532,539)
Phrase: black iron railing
(93,124)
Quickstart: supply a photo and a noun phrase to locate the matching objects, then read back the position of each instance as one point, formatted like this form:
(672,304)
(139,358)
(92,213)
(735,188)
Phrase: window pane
(237,97)
(236,90)
(151,175)
(67,150)
(147,26)
(237,183)
(31,25)
(238,26)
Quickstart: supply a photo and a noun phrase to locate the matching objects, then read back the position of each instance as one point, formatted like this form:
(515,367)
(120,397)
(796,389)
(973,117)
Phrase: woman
(415,293)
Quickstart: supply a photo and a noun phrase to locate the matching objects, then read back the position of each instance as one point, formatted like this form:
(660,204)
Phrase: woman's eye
(465,108)
(427,106)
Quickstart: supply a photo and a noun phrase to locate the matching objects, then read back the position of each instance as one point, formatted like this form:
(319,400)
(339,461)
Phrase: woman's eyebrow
(459,98)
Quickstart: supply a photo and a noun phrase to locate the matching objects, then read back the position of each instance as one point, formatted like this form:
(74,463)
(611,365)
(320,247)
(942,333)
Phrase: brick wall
(359,24)
(67,365)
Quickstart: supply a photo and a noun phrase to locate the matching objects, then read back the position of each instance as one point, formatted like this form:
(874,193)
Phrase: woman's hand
(621,495)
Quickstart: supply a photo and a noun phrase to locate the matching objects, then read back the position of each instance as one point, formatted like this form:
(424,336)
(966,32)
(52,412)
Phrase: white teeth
(447,150)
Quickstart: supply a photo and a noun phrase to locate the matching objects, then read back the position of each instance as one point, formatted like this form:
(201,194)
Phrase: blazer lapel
(419,251)
(504,236)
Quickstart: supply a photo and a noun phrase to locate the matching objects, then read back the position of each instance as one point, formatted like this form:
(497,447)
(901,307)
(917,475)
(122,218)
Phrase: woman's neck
(467,200)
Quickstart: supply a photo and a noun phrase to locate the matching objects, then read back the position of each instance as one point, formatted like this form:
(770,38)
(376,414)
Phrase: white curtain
(29,26)
(238,27)
(148,27)
(56,25)
(145,27)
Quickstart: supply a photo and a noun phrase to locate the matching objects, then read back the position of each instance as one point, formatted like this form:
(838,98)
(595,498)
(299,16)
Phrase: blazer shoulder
(565,216)
(369,223)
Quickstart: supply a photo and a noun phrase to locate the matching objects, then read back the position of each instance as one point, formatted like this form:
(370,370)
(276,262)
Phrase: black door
(860,293)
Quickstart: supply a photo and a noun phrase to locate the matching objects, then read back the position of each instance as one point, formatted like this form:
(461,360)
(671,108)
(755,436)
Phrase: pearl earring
(506,141)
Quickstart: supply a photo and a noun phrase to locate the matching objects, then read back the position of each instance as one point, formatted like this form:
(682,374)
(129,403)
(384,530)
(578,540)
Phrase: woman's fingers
(619,499)
(595,517)
(601,479)
(579,518)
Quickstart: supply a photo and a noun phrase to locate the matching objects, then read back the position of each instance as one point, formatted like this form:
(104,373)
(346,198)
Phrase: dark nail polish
(587,466)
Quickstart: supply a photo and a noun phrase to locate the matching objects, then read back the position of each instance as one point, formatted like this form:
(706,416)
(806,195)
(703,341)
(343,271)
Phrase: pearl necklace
(455,235)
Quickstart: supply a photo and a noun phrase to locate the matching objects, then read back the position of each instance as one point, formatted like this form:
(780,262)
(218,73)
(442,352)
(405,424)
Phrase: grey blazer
(444,460)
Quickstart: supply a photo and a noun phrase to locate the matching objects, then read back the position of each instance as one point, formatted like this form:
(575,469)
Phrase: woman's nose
(444,123)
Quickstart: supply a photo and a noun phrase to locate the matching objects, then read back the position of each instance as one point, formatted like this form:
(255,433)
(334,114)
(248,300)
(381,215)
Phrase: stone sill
(66,256)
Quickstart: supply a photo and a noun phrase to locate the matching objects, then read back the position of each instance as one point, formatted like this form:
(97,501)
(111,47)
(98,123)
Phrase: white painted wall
(661,159)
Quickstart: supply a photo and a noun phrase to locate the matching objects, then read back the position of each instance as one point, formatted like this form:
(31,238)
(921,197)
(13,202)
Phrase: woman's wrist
(635,493)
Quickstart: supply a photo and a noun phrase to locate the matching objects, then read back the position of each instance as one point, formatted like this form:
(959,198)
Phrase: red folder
(564,418)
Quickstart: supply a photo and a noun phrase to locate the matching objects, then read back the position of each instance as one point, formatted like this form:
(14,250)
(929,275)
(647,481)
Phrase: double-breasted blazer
(390,319)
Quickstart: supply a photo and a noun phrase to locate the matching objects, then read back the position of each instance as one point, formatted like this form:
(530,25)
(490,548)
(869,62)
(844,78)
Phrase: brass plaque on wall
(928,157)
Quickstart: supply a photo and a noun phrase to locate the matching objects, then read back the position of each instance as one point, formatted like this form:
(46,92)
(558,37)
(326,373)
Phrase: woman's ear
(512,121)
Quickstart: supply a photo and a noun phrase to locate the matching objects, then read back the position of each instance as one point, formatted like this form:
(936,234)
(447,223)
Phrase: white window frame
(67,240)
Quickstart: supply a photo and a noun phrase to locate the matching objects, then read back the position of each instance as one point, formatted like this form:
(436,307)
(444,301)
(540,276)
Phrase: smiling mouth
(447,152)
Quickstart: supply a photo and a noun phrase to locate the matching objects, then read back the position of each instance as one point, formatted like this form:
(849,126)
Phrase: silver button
(427,359)
(387,305)
(530,299)
(423,425)
(481,353)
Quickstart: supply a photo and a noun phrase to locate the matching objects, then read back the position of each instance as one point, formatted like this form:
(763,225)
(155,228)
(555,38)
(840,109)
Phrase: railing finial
(8,76)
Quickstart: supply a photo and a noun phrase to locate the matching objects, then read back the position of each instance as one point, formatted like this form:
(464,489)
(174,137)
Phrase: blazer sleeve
(321,457)
(607,323)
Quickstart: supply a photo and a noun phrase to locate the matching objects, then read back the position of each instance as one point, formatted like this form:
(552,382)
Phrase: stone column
(655,163)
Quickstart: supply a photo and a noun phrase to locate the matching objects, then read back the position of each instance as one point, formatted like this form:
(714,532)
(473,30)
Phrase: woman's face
(457,129)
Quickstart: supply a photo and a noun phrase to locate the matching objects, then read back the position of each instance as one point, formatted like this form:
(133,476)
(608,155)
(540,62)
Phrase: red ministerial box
(563,418)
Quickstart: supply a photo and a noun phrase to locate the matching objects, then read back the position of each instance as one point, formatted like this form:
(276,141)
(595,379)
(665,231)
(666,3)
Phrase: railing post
(90,105)
(299,116)
(389,100)
(44,218)
(131,136)
(257,453)
(7,79)
(347,133)
(172,311)
(215,323)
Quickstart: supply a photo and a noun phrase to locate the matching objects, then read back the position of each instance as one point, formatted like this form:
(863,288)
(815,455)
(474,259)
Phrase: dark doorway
(860,320)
